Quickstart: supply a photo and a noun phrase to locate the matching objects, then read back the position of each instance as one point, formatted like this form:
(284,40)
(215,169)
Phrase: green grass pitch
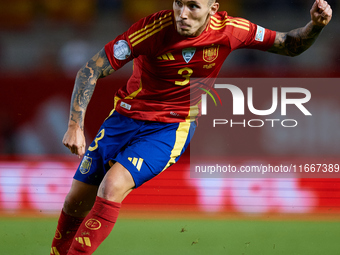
(26,236)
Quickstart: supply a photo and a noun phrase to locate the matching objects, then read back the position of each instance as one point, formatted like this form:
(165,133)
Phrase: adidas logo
(167,56)
(54,251)
(137,162)
(84,240)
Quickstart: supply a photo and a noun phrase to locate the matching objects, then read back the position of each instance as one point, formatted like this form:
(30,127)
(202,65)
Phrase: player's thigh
(117,184)
(80,198)
(156,147)
(115,133)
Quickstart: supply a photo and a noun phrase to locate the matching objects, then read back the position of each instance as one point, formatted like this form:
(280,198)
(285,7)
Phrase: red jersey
(170,68)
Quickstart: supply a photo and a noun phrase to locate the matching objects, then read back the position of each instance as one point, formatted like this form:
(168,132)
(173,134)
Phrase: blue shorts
(144,148)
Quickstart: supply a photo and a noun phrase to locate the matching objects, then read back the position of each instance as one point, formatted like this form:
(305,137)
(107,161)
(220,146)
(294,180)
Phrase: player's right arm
(98,67)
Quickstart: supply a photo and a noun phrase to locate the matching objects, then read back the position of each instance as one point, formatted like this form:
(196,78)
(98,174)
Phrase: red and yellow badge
(57,235)
(210,53)
(93,224)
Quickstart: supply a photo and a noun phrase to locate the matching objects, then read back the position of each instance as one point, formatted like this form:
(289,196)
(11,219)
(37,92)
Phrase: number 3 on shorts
(98,138)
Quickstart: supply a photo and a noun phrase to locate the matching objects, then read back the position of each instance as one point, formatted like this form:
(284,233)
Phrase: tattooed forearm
(296,41)
(97,67)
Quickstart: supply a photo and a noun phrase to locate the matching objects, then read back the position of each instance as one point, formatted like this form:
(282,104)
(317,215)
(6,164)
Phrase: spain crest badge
(210,53)
(85,165)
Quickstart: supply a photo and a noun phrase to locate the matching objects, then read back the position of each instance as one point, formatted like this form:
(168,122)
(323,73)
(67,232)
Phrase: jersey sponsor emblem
(137,162)
(210,53)
(260,34)
(121,50)
(85,165)
(125,106)
(188,54)
(93,224)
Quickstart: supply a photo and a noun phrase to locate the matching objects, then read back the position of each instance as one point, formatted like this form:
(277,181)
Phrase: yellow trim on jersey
(161,22)
(193,112)
(131,96)
(182,133)
(114,108)
(150,29)
(150,25)
(238,20)
(151,34)
(135,93)
(229,22)
(116,99)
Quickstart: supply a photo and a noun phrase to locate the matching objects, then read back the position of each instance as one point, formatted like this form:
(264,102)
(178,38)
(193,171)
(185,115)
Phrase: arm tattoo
(98,67)
(296,41)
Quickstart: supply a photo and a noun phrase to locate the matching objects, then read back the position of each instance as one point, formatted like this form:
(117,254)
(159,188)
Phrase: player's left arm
(298,40)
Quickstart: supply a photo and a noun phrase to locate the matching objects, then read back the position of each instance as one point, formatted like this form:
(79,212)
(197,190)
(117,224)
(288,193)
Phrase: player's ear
(214,8)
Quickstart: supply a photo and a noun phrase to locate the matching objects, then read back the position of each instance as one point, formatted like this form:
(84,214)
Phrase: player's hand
(321,13)
(74,139)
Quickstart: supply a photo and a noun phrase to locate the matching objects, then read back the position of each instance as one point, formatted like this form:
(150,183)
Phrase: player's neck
(202,28)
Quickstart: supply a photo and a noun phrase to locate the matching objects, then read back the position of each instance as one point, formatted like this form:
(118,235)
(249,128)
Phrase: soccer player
(154,113)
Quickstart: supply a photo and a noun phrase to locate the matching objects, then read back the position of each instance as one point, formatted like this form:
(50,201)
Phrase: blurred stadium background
(43,43)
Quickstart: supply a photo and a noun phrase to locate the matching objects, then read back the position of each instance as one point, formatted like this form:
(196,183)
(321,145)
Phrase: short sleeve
(119,52)
(259,38)
(138,40)
(246,34)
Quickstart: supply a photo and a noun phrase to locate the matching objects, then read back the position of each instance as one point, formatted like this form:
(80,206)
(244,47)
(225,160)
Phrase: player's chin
(186,33)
